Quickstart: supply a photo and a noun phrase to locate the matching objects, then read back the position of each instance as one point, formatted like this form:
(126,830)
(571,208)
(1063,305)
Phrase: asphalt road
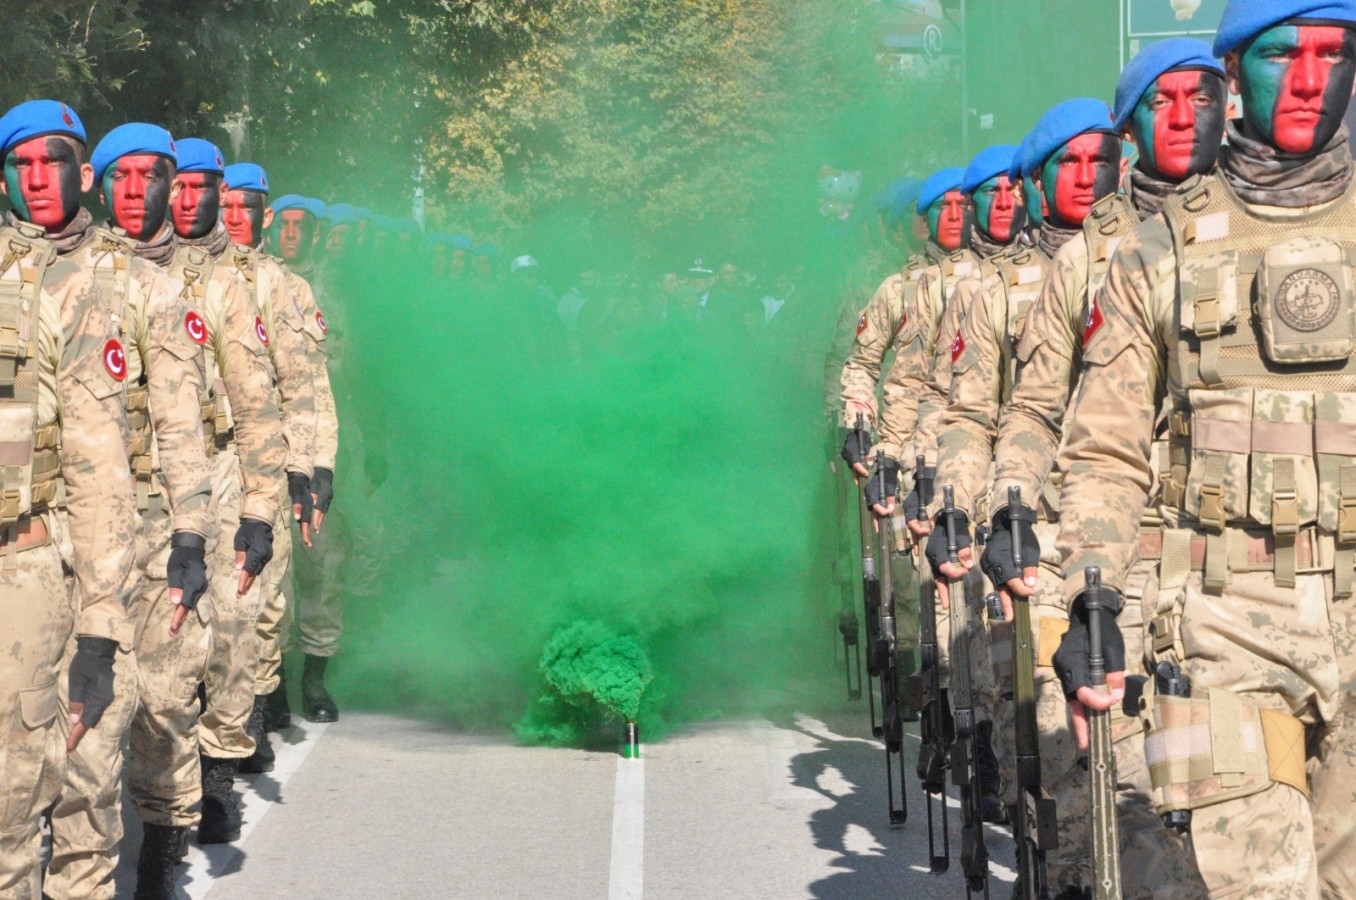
(791,805)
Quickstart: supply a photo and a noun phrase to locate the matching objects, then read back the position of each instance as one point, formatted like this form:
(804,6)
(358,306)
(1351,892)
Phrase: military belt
(1248,551)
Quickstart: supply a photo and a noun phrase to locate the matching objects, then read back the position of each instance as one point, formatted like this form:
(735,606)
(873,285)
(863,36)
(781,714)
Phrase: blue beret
(1018,168)
(134,137)
(198,155)
(36,118)
(246,176)
(311,205)
(1062,123)
(996,160)
(904,200)
(889,194)
(461,242)
(486,250)
(382,221)
(341,214)
(1243,19)
(362,212)
(1153,61)
(936,186)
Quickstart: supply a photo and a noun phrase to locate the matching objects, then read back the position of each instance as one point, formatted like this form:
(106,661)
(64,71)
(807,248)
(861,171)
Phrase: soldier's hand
(299,490)
(1071,662)
(856,451)
(939,556)
(90,685)
(187,575)
(322,493)
(882,486)
(997,560)
(253,550)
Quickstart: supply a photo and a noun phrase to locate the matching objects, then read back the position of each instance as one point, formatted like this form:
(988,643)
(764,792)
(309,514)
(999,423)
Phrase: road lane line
(627,878)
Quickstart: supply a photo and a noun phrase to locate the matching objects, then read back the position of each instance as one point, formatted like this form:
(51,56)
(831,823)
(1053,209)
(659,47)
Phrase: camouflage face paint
(296,235)
(1035,203)
(138,187)
(242,212)
(948,221)
(43,177)
(1295,80)
(997,212)
(195,212)
(1179,123)
(1080,173)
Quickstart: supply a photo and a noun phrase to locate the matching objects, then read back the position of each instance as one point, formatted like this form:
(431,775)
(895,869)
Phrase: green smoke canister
(631,741)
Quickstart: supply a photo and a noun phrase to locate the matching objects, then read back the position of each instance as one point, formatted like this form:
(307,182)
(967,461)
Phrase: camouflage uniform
(1155,861)
(60,356)
(1228,308)
(165,393)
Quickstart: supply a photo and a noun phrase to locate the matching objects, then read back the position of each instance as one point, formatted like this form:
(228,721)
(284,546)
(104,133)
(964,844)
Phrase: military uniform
(65,431)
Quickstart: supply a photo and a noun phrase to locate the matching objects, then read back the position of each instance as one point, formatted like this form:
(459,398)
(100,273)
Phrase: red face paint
(43,176)
(951,221)
(1079,174)
(1185,112)
(138,188)
(199,202)
(242,212)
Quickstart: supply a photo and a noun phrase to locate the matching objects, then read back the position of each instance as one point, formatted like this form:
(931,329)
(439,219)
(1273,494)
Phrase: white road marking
(197,881)
(626,880)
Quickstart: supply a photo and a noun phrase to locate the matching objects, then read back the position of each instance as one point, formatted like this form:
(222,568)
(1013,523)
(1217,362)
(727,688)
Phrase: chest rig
(192,267)
(30,466)
(1017,284)
(1263,422)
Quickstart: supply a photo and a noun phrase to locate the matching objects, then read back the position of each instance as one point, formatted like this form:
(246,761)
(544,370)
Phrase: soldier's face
(196,208)
(296,235)
(1034,200)
(242,212)
(337,240)
(1296,81)
(44,178)
(948,221)
(137,189)
(1080,173)
(1179,123)
(997,212)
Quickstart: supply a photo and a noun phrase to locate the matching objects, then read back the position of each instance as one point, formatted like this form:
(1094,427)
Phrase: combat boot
(316,702)
(262,758)
(991,783)
(160,853)
(278,713)
(220,807)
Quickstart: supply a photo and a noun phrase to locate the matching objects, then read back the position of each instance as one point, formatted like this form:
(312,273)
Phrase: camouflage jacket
(317,330)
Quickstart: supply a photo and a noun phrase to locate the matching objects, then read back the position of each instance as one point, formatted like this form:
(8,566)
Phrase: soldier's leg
(1332,768)
(324,575)
(271,619)
(36,620)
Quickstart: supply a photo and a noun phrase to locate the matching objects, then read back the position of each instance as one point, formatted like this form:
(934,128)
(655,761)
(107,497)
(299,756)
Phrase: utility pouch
(1304,294)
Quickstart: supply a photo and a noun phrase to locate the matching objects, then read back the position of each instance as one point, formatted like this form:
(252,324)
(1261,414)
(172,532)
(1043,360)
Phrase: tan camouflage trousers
(163,778)
(1285,649)
(273,617)
(321,577)
(36,620)
(234,621)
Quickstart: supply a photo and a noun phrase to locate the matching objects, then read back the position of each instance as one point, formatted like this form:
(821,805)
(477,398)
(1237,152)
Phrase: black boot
(262,758)
(316,702)
(278,713)
(991,783)
(220,807)
(155,865)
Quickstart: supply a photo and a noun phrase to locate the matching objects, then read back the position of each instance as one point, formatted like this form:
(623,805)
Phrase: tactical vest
(30,465)
(258,281)
(1019,279)
(192,267)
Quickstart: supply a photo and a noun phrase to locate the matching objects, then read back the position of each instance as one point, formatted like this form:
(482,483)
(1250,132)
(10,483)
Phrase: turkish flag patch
(260,331)
(903,320)
(861,323)
(957,346)
(1094,322)
(115,361)
(196,327)
(320,320)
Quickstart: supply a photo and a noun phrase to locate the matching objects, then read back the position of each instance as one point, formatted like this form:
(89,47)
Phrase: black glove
(187,568)
(1071,659)
(857,446)
(299,489)
(936,547)
(91,680)
(915,504)
(255,538)
(322,485)
(887,467)
(997,559)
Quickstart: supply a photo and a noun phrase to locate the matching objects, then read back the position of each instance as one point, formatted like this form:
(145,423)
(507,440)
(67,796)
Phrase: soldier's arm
(326,413)
(970,421)
(249,386)
(100,504)
(289,350)
(1031,425)
(932,401)
(174,381)
(861,373)
(1106,455)
(905,381)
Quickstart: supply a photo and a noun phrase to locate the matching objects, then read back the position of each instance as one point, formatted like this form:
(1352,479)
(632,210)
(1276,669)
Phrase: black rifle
(1034,825)
(1106,850)
(848,626)
(926,695)
(887,664)
(964,751)
(870,589)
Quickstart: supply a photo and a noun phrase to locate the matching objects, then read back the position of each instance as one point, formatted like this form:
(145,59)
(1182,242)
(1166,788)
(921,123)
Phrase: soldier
(247,469)
(1170,103)
(1234,305)
(64,429)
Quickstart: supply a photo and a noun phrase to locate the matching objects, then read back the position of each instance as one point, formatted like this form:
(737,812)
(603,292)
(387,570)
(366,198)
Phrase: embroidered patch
(1094,321)
(957,346)
(115,360)
(260,331)
(196,327)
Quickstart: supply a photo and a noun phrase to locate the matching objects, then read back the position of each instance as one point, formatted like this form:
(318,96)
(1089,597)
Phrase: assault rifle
(885,651)
(1106,853)
(870,587)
